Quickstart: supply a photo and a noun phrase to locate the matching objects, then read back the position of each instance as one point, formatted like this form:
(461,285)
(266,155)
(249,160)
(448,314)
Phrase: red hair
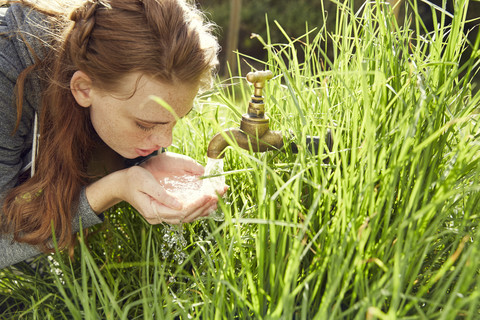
(106,39)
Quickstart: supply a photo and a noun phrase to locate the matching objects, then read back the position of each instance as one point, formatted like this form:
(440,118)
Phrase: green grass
(387,229)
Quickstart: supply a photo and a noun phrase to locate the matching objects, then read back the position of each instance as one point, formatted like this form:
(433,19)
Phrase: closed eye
(145,127)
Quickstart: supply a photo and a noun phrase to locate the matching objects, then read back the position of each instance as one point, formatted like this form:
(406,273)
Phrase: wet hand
(157,204)
(180,176)
(170,166)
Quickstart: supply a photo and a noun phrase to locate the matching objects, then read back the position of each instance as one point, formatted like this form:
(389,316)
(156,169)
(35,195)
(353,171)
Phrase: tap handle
(259,76)
(256,107)
(258,79)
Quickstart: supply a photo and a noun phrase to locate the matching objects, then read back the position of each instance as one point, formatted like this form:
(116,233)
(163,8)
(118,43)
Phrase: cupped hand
(157,205)
(141,187)
(177,178)
(172,166)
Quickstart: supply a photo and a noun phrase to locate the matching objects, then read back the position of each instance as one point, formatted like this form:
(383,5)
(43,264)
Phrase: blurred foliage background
(238,19)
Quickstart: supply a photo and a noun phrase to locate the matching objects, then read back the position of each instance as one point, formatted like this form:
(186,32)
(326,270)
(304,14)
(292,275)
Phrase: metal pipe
(254,133)
(270,140)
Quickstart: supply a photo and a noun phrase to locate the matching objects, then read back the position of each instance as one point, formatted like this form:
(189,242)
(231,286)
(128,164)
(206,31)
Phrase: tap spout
(269,140)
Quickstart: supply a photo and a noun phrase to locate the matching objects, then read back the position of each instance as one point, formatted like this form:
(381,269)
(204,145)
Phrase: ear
(81,88)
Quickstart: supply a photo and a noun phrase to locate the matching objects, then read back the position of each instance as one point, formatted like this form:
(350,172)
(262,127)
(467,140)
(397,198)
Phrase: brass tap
(254,132)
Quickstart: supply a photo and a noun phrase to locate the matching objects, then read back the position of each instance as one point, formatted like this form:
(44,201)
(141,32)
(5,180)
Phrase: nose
(163,138)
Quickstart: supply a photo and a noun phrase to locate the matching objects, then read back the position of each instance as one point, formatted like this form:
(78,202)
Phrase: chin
(130,155)
(126,155)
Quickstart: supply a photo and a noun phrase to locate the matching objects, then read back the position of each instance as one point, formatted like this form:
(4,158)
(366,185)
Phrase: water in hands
(189,188)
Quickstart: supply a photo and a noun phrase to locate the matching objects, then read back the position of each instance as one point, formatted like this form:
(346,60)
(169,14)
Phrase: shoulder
(25,38)
(28,30)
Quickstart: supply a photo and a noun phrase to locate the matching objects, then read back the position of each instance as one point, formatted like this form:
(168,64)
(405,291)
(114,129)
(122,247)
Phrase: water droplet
(189,188)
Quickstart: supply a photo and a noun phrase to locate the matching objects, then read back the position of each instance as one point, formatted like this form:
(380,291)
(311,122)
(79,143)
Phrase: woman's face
(131,123)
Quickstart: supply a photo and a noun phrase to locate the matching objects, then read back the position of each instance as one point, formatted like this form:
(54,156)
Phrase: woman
(88,71)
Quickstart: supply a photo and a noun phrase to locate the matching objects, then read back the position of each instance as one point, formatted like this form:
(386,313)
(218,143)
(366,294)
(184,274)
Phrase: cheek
(167,131)
(113,130)
(162,136)
(98,122)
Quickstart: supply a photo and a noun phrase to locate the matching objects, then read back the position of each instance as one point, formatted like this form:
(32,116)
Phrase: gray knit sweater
(20,27)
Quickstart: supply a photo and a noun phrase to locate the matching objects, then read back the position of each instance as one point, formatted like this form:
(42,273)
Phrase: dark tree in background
(238,19)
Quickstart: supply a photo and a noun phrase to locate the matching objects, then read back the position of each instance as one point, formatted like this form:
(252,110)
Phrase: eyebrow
(162,122)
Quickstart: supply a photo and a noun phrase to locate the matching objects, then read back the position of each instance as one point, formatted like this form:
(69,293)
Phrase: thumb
(170,201)
(193,167)
(161,195)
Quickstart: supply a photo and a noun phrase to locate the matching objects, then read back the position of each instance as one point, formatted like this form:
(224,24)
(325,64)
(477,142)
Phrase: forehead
(143,93)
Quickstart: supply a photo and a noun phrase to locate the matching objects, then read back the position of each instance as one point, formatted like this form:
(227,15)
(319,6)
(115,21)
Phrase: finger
(156,213)
(195,169)
(202,211)
(172,221)
(210,210)
(200,202)
(222,191)
(165,214)
(155,190)
(161,216)
(191,166)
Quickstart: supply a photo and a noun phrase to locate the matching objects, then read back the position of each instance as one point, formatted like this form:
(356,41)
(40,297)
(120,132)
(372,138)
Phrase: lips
(145,152)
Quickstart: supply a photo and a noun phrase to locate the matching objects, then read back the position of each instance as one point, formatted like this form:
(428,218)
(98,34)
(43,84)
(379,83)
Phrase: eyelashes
(144,128)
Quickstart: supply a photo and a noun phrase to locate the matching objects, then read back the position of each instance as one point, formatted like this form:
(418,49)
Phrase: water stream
(189,188)
(216,180)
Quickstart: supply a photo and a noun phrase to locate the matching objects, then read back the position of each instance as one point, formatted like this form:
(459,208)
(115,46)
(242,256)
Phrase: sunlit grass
(386,229)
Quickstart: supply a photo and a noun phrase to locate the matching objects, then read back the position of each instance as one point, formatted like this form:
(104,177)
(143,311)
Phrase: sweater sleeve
(12,252)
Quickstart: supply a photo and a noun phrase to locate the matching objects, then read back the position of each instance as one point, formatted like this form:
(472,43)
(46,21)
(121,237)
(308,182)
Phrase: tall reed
(383,226)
